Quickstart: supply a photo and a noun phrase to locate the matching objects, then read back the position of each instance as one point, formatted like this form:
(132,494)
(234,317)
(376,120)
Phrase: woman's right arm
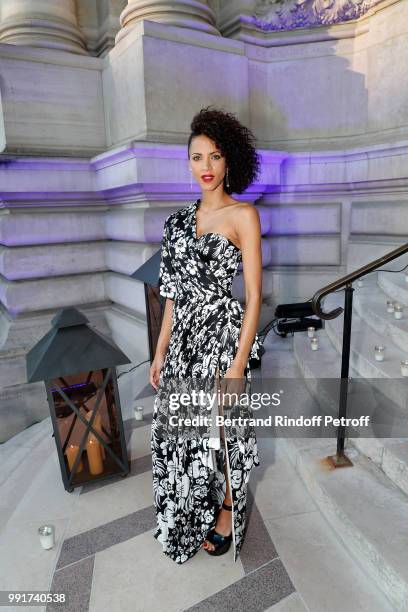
(162,343)
(167,289)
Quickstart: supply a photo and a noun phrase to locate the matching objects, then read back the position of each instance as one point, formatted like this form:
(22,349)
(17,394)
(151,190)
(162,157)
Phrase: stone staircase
(366,504)
(22,457)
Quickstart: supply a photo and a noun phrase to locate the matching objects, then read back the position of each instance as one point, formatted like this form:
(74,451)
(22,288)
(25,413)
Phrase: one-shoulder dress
(188,473)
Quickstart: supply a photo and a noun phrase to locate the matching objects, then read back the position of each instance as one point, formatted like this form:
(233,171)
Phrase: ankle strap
(226,506)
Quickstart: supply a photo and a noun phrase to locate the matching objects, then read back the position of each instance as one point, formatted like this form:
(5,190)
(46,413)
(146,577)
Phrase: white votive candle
(360,283)
(310,332)
(379,353)
(390,306)
(138,412)
(47,539)
(398,311)
(406,277)
(404,367)
(314,343)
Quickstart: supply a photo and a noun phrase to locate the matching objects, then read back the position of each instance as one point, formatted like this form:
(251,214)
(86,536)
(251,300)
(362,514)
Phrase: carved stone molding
(290,14)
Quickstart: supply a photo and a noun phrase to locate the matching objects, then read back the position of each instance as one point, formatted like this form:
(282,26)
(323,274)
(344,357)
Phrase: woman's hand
(233,381)
(155,369)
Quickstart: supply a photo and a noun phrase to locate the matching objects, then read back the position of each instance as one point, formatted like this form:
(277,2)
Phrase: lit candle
(47,539)
(398,311)
(406,277)
(404,367)
(390,306)
(71,452)
(379,353)
(93,449)
(138,412)
(97,425)
(360,283)
(314,343)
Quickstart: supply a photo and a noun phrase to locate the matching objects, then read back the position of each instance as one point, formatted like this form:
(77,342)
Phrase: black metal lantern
(77,364)
(148,273)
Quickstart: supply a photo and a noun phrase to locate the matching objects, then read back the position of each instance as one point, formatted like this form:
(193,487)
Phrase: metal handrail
(340,459)
(348,279)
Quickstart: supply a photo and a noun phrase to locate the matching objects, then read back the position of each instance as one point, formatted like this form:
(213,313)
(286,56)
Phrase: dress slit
(228,471)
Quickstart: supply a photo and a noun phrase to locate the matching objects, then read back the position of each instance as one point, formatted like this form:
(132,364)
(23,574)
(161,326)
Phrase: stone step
(13,369)
(390,454)
(370,304)
(384,375)
(21,463)
(366,510)
(28,438)
(21,406)
(394,285)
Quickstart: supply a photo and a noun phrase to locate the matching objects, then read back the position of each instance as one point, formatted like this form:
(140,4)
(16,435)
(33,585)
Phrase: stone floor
(105,556)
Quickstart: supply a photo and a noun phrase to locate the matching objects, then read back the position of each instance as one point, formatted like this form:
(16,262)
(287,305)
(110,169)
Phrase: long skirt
(189,484)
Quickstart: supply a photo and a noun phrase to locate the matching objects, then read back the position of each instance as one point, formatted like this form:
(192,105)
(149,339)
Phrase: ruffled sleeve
(167,276)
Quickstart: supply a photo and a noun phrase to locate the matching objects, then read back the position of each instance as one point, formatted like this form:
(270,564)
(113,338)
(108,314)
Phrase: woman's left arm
(248,228)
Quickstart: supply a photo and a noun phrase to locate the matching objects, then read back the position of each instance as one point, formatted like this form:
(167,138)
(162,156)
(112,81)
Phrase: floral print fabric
(188,474)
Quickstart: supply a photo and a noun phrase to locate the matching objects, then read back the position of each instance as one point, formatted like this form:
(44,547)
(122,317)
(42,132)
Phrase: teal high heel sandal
(221,543)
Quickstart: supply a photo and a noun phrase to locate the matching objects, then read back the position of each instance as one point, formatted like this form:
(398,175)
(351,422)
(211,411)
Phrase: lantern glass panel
(82,392)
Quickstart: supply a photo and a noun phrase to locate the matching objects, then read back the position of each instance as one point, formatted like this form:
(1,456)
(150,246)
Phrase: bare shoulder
(246,215)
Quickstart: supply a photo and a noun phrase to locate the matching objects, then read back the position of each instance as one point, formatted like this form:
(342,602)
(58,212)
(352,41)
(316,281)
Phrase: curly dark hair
(235,142)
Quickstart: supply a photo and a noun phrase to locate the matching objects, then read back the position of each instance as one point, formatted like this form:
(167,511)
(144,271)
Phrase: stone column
(183,13)
(43,23)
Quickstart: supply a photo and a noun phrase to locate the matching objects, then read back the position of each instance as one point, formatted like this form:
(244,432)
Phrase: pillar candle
(93,449)
(97,425)
(71,452)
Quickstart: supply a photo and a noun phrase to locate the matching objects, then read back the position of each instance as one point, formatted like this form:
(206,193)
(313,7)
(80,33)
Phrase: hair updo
(234,140)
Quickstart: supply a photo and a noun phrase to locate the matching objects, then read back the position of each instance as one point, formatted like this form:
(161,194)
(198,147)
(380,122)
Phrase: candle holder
(314,343)
(404,367)
(78,365)
(390,306)
(138,413)
(311,332)
(47,536)
(379,353)
(398,311)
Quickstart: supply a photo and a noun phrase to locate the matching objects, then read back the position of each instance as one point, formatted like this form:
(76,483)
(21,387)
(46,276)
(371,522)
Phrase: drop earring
(191,179)
(227,180)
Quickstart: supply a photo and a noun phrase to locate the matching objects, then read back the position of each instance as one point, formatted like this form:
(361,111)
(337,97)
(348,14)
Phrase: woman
(199,493)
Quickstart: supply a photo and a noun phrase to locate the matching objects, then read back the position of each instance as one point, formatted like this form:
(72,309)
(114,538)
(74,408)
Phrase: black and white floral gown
(188,474)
